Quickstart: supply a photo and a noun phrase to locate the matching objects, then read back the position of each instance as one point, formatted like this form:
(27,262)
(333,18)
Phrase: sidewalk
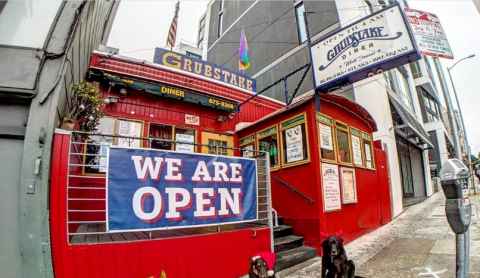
(418,243)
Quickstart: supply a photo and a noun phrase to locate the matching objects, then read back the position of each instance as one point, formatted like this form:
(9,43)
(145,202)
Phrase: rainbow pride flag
(243,63)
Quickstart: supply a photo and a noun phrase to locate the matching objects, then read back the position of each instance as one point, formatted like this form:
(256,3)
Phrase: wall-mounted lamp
(221,119)
(111,100)
(231,115)
(379,71)
(228,132)
(123,93)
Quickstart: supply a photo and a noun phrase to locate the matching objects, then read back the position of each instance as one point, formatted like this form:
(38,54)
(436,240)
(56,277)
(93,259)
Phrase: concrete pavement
(418,243)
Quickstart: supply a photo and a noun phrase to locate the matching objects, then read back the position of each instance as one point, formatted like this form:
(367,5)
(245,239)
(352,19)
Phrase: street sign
(428,33)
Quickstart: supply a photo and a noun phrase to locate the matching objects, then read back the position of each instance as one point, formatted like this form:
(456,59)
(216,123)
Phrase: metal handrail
(295,190)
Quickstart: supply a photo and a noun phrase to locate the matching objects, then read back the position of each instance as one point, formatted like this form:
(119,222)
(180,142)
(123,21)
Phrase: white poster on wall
(357,150)
(326,141)
(331,187)
(248,151)
(185,148)
(294,144)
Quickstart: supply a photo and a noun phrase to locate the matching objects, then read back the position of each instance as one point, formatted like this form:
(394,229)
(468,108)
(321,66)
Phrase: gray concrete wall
(271,31)
(33,99)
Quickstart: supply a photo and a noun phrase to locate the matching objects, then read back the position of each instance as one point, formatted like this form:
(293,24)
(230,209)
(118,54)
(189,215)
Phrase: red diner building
(322,173)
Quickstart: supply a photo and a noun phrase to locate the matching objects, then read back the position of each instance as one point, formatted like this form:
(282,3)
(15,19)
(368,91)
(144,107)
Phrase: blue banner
(153,189)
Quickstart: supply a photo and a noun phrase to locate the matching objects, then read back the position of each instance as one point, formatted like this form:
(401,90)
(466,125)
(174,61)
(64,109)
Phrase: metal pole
(309,43)
(460,238)
(467,251)
(469,160)
(448,103)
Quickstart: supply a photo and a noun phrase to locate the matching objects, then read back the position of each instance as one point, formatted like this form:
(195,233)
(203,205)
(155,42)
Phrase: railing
(295,190)
(87,191)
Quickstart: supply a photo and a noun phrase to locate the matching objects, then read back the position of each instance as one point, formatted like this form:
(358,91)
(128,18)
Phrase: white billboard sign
(428,33)
(374,44)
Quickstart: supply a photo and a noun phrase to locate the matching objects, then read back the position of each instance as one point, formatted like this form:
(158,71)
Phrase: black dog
(258,269)
(334,259)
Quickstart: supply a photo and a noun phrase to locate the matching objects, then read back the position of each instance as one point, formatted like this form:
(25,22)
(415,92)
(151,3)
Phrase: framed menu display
(349,186)
(331,187)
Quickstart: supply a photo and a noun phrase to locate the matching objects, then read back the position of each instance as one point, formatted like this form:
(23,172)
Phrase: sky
(140,26)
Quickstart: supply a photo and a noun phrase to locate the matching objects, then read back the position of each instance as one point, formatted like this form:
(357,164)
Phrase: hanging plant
(86,106)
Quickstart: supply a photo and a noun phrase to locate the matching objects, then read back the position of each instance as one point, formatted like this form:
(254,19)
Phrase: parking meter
(454,180)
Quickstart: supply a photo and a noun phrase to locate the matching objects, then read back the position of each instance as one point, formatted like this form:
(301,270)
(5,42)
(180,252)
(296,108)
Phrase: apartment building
(404,101)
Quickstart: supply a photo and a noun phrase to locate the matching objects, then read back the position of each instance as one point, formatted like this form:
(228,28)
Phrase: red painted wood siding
(309,220)
(215,255)
(162,108)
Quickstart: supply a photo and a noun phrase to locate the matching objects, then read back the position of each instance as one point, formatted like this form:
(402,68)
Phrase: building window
(368,150)
(325,136)
(18,19)
(301,28)
(268,142)
(416,71)
(95,159)
(220,19)
(430,108)
(247,144)
(343,143)
(294,141)
(382,4)
(356,139)
(201,32)
(370,6)
(398,82)
(171,133)
(193,55)
(220,149)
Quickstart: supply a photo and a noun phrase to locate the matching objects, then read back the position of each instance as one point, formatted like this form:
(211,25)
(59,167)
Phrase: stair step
(282,231)
(293,257)
(285,243)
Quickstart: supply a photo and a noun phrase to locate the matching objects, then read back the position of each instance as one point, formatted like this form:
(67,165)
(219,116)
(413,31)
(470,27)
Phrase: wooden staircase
(289,248)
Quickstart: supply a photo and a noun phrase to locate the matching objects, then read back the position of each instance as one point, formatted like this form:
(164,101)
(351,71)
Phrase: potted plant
(86,107)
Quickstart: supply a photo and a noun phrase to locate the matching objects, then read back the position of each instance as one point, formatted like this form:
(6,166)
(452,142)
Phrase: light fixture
(229,132)
(231,115)
(111,100)
(221,119)
(123,93)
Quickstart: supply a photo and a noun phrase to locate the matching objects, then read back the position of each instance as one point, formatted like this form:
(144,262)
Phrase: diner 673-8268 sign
(374,44)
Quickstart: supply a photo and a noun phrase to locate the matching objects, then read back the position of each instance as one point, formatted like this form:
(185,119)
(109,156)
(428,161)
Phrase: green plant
(86,106)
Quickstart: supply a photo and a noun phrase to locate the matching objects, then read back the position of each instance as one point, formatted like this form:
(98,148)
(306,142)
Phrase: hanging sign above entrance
(429,35)
(372,45)
(203,68)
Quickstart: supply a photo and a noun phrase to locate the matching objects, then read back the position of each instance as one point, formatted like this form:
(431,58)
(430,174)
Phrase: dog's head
(332,245)
(258,267)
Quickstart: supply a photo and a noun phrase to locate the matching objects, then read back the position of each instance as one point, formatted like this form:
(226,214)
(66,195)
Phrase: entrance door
(218,140)
(413,177)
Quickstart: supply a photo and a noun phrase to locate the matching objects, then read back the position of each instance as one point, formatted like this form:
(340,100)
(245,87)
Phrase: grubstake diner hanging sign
(372,45)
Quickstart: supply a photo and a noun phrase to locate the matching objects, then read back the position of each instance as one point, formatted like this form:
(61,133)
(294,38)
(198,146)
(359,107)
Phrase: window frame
(357,133)
(296,122)
(220,19)
(347,130)
(173,129)
(246,141)
(368,138)
(300,23)
(260,136)
(332,134)
(114,141)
